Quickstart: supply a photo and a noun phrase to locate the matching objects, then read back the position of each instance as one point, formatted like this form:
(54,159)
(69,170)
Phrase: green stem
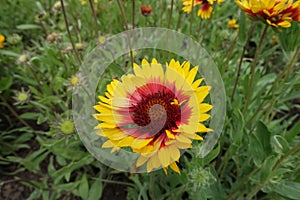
(199,28)
(283,157)
(241,59)
(14,113)
(123,15)
(192,18)
(95,17)
(229,55)
(206,29)
(133,14)
(250,90)
(287,70)
(171,12)
(179,20)
(69,33)
(162,10)
(241,184)
(126,27)
(257,188)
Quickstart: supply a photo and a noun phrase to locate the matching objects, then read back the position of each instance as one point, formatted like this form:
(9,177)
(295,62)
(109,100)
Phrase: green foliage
(257,156)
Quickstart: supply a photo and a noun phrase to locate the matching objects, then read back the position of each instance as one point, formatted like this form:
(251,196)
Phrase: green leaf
(288,189)
(238,125)
(84,187)
(256,150)
(96,190)
(267,168)
(279,144)
(5,83)
(28,26)
(30,115)
(9,53)
(291,134)
(264,136)
(212,155)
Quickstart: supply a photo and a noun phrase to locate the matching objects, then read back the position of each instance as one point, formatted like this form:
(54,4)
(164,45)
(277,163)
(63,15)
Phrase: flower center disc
(155,110)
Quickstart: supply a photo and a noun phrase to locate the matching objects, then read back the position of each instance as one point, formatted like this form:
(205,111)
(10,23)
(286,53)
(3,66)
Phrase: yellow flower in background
(205,7)
(2,39)
(156,112)
(232,24)
(277,13)
(83,2)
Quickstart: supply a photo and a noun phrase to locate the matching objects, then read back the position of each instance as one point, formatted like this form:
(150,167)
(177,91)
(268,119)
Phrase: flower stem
(95,18)
(287,70)
(69,33)
(171,12)
(192,18)
(253,66)
(229,55)
(199,28)
(14,113)
(179,20)
(133,14)
(123,15)
(277,165)
(126,27)
(242,183)
(241,59)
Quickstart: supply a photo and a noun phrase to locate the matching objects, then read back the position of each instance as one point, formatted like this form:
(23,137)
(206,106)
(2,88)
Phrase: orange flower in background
(277,13)
(146,10)
(232,24)
(2,39)
(156,111)
(205,7)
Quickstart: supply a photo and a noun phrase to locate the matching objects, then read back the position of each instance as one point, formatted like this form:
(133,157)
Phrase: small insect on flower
(156,111)
(146,10)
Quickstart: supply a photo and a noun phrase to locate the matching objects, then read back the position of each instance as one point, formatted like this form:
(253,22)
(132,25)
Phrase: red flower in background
(146,10)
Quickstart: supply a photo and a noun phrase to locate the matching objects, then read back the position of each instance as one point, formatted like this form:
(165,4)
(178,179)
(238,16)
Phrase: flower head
(22,59)
(232,24)
(14,39)
(67,127)
(2,39)
(22,97)
(277,13)
(75,82)
(146,10)
(205,7)
(156,112)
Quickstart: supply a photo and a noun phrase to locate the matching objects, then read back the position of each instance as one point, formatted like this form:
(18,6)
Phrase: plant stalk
(253,66)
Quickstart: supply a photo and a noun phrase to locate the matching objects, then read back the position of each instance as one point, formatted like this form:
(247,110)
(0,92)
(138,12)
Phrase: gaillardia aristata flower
(278,13)
(205,7)
(156,112)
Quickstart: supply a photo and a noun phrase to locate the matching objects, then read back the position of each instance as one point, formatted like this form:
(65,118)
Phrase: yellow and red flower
(277,13)
(156,112)
(205,9)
